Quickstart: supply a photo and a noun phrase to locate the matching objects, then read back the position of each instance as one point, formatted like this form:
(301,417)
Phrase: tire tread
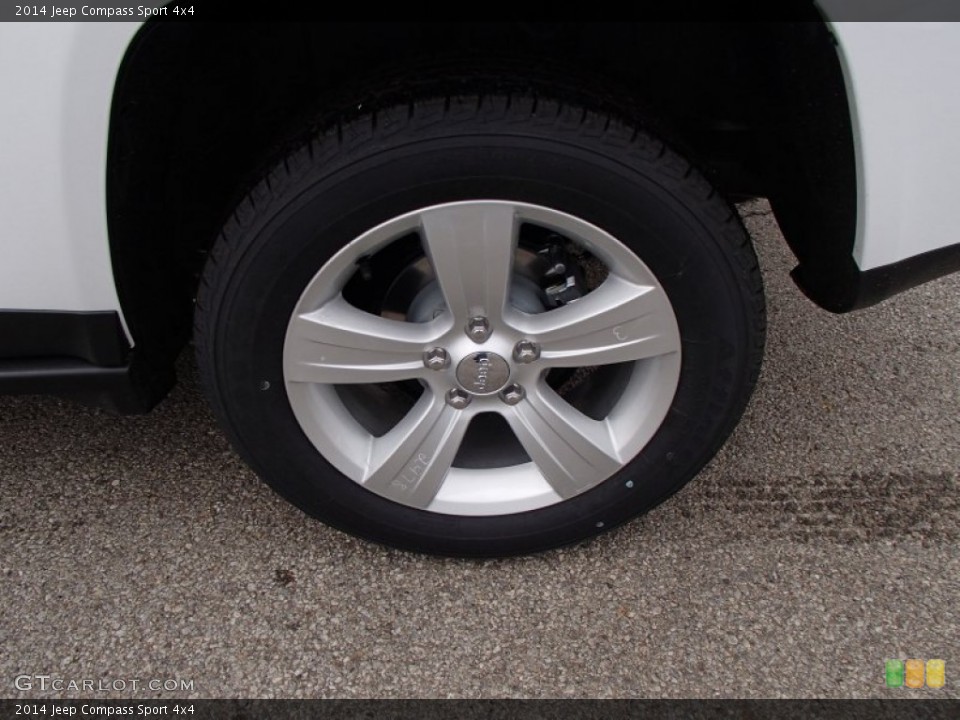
(344,142)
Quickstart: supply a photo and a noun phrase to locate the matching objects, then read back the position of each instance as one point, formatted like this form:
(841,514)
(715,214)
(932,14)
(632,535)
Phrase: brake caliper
(562,282)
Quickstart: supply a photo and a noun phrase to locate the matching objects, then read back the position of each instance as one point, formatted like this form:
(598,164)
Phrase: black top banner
(674,10)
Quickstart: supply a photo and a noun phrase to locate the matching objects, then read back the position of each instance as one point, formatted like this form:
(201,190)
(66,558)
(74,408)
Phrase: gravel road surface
(824,538)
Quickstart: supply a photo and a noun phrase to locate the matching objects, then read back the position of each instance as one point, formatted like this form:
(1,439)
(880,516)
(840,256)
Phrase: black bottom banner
(484,709)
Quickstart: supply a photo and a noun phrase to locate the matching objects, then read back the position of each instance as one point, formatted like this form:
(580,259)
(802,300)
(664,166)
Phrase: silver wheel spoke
(471,248)
(338,343)
(570,449)
(618,322)
(410,463)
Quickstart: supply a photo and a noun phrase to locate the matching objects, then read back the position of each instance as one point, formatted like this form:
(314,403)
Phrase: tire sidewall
(677,234)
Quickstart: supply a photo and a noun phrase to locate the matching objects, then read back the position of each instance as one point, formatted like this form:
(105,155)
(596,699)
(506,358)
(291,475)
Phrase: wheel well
(201,110)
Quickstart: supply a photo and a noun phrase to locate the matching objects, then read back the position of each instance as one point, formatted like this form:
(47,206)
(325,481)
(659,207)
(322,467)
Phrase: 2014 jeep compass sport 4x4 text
(475,289)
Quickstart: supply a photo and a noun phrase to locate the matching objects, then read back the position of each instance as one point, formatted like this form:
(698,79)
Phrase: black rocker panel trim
(82,356)
(125,390)
(841,288)
(94,337)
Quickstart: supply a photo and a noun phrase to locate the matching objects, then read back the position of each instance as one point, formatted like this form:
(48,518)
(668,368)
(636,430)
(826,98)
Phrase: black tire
(359,174)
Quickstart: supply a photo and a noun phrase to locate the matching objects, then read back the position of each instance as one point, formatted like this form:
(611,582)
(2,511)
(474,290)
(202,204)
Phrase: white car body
(52,187)
(377,233)
(900,79)
(55,254)
(59,81)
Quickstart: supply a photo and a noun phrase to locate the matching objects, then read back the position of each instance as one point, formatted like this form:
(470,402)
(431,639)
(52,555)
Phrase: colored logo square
(893,670)
(914,674)
(936,673)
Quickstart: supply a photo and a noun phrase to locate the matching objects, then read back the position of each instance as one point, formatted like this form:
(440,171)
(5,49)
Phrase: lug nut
(457,398)
(512,394)
(478,329)
(526,351)
(436,358)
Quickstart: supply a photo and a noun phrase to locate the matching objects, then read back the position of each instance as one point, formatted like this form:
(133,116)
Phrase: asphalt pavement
(823,539)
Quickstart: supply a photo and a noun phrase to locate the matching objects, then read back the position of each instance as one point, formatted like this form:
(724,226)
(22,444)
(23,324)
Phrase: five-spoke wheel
(480,325)
(478,353)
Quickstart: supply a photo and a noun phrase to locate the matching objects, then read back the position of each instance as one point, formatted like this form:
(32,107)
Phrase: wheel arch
(760,108)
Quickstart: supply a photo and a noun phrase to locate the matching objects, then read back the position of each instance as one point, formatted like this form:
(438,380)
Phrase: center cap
(483,373)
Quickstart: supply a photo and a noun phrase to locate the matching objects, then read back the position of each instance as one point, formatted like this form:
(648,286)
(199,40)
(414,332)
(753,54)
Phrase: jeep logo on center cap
(483,373)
